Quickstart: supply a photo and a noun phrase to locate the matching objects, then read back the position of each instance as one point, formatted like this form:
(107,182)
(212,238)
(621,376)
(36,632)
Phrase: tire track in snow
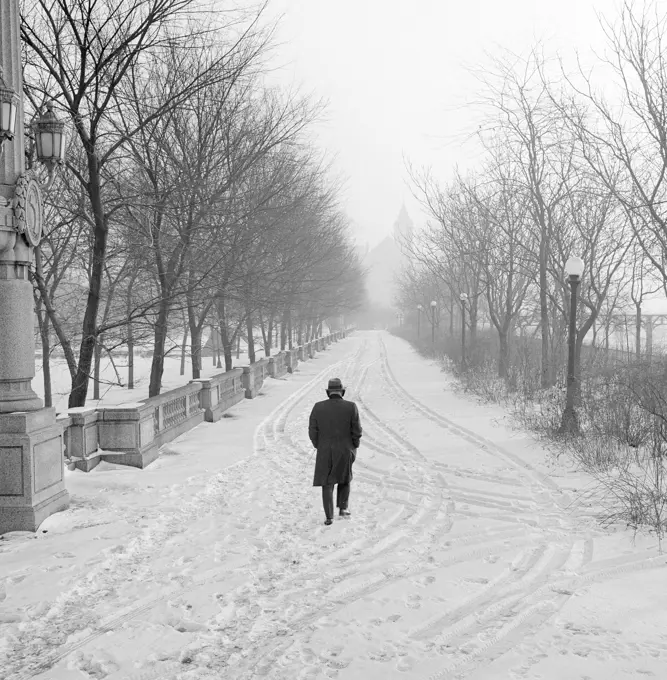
(541,605)
(385,544)
(35,659)
(519,464)
(465,621)
(377,580)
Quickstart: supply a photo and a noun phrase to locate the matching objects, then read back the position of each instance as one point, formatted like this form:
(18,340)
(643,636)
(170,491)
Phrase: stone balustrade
(254,376)
(277,365)
(132,434)
(292,359)
(220,392)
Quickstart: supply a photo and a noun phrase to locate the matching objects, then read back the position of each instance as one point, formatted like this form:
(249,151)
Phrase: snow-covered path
(464,557)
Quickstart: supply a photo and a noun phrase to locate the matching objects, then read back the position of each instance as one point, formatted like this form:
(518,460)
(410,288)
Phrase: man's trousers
(342,497)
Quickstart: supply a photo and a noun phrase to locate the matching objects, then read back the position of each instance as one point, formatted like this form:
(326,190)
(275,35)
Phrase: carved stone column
(31,441)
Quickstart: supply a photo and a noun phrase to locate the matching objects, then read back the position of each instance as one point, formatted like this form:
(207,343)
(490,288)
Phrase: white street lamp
(434,304)
(464,298)
(574,268)
(419,319)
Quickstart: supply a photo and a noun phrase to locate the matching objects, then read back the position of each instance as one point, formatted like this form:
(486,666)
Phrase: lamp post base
(570,422)
(32,466)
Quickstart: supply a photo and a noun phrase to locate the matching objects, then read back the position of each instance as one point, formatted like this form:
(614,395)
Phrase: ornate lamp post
(31,441)
(419,319)
(464,298)
(574,268)
(434,304)
(8,105)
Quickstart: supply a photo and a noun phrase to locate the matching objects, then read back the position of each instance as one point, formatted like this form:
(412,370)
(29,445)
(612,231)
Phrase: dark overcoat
(335,431)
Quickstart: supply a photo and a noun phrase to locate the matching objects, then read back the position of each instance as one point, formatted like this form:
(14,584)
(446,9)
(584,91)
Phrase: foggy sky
(396,75)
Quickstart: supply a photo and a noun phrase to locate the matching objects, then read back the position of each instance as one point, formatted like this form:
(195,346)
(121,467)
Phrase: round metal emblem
(29,209)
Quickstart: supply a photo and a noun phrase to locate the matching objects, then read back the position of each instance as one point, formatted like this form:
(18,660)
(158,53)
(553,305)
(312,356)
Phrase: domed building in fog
(383,264)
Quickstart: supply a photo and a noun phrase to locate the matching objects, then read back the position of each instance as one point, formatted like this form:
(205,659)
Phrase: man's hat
(335,385)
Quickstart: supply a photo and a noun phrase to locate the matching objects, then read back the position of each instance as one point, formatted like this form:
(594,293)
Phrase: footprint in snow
(413,601)
(405,663)
(382,655)
(425,581)
(333,659)
(394,617)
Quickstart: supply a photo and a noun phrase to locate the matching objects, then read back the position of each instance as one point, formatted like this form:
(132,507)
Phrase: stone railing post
(208,399)
(249,382)
(82,438)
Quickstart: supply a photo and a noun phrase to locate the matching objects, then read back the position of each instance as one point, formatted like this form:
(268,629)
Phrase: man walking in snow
(335,431)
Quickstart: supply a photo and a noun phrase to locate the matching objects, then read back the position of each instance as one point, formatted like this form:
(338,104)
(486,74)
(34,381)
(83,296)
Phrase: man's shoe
(344,512)
(328,521)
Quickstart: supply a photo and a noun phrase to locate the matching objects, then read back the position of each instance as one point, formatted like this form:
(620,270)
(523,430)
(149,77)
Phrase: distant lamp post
(419,319)
(50,142)
(574,268)
(434,304)
(9,101)
(464,298)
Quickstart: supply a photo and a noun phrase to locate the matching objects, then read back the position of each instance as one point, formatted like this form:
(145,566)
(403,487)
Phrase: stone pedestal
(17,348)
(31,440)
(31,469)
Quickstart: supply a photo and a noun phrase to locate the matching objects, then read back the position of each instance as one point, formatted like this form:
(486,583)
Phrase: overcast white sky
(395,75)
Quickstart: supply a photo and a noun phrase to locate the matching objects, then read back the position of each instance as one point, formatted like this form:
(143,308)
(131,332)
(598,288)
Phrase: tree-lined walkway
(463,557)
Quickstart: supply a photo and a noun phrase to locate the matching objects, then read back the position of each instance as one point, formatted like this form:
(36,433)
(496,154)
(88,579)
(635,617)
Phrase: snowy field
(113,377)
(465,557)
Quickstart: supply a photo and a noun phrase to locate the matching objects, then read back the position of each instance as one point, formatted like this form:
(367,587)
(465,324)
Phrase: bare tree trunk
(184,345)
(283,331)
(227,347)
(266,337)
(251,339)
(219,333)
(79,391)
(43,320)
(546,376)
(130,342)
(225,340)
(159,341)
(195,340)
(238,346)
(195,349)
(504,355)
(38,277)
(97,357)
(638,331)
(472,320)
